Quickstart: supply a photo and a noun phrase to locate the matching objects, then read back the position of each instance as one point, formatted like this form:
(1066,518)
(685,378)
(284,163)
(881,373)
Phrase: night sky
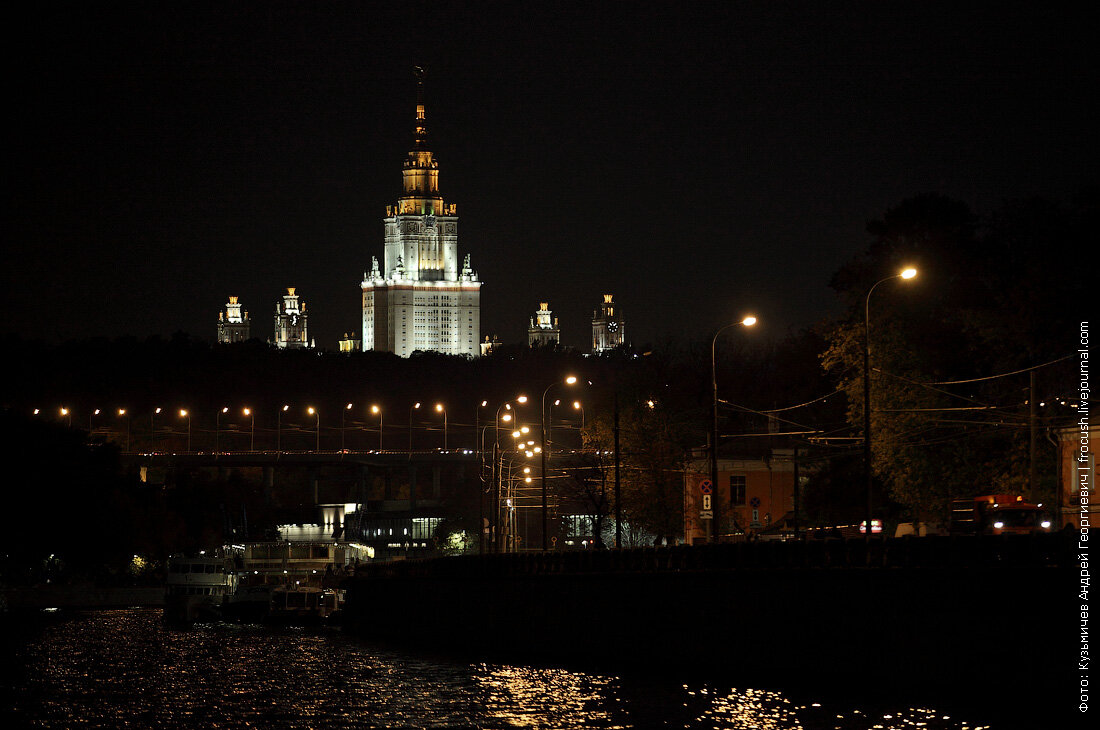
(695,159)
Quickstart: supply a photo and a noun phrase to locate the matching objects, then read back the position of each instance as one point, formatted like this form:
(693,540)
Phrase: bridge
(381,494)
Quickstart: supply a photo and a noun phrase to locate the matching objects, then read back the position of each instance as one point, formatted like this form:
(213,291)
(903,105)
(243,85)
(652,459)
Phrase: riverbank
(80,596)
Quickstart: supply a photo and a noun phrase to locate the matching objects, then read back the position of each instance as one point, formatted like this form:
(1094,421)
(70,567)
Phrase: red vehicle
(998,514)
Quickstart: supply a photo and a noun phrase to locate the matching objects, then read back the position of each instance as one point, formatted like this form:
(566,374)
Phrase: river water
(125,669)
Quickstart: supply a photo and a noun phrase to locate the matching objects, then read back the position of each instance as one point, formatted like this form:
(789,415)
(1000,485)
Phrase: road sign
(706,486)
(706,503)
(706,514)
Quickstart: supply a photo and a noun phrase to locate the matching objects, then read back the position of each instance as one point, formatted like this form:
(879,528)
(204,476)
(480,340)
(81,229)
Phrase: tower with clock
(291,322)
(608,326)
(421,297)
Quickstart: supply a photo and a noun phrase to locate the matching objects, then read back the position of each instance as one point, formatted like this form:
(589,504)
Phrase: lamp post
(218,429)
(68,415)
(342,414)
(184,413)
(252,438)
(153,429)
(90,417)
(477,431)
(378,412)
(314,412)
(713,524)
(494,479)
(908,273)
(569,380)
(415,406)
(279,427)
(440,409)
(121,413)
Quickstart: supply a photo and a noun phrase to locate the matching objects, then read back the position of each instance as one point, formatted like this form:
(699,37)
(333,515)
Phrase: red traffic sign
(706,486)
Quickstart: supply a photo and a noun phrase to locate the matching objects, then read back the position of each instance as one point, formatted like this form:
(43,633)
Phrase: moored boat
(198,587)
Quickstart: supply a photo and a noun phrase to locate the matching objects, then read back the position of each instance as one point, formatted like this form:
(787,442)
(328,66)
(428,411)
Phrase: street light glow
(749,321)
(908,273)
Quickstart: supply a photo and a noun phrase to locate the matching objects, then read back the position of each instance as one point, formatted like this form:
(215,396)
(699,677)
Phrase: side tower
(421,297)
(543,332)
(233,325)
(608,326)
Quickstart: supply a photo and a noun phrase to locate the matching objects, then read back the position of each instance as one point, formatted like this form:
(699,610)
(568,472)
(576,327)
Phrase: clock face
(612,326)
(430,221)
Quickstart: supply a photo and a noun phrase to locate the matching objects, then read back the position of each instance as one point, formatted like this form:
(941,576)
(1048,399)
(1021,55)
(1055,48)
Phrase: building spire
(421,120)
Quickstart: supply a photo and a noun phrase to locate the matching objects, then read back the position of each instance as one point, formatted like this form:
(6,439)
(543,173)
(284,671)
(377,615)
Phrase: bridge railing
(1039,550)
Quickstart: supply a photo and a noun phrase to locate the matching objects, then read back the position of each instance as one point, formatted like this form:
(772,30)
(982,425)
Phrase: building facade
(543,331)
(421,298)
(233,325)
(755,494)
(608,326)
(291,323)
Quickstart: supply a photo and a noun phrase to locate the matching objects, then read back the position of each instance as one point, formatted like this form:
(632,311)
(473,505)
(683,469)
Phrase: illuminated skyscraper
(291,323)
(608,326)
(420,298)
(543,331)
(233,325)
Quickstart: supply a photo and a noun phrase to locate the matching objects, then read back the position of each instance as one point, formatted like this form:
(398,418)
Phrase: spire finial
(421,129)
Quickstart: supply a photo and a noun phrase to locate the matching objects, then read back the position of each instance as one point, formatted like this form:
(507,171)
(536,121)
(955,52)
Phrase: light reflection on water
(125,669)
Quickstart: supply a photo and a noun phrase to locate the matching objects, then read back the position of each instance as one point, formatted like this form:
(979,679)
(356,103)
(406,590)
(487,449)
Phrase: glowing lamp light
(749,321)
(908,273)
(571,379)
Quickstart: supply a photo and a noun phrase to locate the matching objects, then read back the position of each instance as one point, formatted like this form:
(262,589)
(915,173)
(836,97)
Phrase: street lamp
(713,524)
(218,429)
(414,407)
(121,413)
(342,413)
(279,427)
(440,409)
(494,472)
(908,273)
(314,412)
(67,414)
(90,416)
(477,428)
(252,438)
(569,380)
(152,429)
(184,413)
(378,411)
